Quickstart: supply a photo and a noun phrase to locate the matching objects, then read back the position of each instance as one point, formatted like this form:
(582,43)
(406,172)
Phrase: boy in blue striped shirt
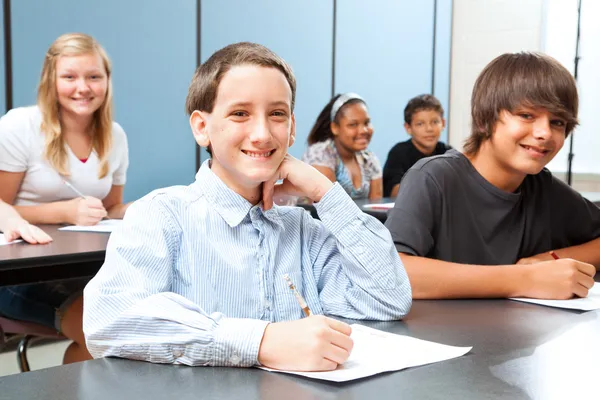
(195,274)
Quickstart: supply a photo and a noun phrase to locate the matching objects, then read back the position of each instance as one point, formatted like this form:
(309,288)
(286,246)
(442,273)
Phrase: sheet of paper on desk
(105,226)
(591,302)
(3,240)
(380,206)
(376,351)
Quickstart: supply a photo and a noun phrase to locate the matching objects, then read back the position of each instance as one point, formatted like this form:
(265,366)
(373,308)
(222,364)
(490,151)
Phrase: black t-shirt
(400,158)
(446,210)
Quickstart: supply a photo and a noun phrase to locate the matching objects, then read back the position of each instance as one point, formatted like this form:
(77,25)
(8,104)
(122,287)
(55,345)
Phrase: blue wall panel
(443,50)
(2,61)
(153,48)
(384,52)
(299,31)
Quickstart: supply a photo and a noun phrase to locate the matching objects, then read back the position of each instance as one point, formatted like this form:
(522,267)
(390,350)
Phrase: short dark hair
(513,80)
(422,103)
(202,92)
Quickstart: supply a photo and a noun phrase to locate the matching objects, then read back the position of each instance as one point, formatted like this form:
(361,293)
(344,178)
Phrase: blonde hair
(73,44)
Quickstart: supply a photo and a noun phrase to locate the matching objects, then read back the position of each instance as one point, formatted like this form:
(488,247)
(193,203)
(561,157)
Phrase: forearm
(435,279)
(50,213)
(167,328)
(7,213)
(117,211)
(587,252)
(373,280)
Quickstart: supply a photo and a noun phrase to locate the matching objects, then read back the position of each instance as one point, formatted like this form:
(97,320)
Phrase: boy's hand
(316,343)
(558,279)
(19,228)
(299,179)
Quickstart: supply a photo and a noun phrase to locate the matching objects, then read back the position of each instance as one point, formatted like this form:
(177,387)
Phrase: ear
(443,123)
(335,128)
(407,128)
(292,131)
(198,122)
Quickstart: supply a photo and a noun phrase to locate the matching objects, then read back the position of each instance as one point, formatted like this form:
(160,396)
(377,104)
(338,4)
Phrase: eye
(68,77)
(419,124)
(279,113)
(558,122)
(239,114)
(526,116)
(352,124)
(95,77)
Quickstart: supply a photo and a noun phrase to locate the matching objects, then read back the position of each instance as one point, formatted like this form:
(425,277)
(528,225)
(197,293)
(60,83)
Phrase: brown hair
(202,92)
(424,102)
(73,44)
(525,79)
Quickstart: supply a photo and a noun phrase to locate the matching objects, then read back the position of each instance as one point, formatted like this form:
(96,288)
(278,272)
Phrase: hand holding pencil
(83,210)
(316,343)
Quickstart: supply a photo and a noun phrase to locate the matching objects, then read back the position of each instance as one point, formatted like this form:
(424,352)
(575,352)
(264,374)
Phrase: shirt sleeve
(358,272)
(122,149)
(14,143)
(575,219)
(319,154)
(393,171)
(416,213)
(130,311)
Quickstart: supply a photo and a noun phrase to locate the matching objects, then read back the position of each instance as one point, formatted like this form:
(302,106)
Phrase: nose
(541,129)
(82,86)
(260,131)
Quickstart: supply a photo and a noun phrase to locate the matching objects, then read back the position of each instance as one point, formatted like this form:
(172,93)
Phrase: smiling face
(354,130)
(425,128)
(524,141)
(250,127)
(81,84)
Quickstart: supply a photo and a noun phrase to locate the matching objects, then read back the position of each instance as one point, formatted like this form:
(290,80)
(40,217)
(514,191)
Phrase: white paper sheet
(105,226)
(376,351)
(380,206)
(591,302)
(3,240)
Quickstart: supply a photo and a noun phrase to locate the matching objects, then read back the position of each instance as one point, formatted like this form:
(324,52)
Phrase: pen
(73,188)
(299,297)
(553,254)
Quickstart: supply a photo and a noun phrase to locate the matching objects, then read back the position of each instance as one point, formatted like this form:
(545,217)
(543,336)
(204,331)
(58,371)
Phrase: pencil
(553,254)
(299,297)
(73,188)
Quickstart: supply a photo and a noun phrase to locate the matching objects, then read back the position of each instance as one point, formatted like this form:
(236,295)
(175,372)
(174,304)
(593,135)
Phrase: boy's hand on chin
(299,179)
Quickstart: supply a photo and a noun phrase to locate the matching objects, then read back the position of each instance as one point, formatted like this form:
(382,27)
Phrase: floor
(39,356)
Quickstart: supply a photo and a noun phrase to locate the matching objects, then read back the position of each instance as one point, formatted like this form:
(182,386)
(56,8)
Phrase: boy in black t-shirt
(424,122)
(482,223)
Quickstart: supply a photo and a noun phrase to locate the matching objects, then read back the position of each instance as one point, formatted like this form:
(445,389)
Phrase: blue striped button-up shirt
(195,274)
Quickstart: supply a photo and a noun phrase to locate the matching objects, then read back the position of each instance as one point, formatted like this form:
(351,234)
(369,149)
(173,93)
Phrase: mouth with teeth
(258,155)
(537,152)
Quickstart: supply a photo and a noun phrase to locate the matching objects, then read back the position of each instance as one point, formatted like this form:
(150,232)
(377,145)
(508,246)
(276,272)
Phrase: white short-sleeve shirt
(21,150)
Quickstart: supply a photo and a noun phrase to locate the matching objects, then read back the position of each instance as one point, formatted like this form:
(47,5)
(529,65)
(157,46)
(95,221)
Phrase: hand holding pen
(83,210)
(316,343)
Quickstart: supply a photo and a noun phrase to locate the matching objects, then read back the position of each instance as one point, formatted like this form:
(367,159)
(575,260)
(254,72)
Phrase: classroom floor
(39,356)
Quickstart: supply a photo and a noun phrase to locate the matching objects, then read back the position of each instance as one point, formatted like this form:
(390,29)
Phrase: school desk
(520,351)
(69,255)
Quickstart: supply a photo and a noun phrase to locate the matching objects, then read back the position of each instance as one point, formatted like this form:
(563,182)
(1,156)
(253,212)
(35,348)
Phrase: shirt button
(267,304)
(234,359)
(178,354)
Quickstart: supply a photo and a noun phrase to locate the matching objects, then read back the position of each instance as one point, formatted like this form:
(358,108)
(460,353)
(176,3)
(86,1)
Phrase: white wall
(481,31)
(560,42)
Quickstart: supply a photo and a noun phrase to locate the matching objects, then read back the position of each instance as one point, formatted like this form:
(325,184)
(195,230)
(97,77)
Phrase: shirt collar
(232,207)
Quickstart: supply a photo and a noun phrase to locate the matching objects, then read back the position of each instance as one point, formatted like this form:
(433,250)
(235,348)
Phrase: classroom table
(377,213)
(69,255)
(520,351)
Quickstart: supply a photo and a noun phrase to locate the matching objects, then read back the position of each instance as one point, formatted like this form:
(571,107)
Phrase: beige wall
(481,31)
